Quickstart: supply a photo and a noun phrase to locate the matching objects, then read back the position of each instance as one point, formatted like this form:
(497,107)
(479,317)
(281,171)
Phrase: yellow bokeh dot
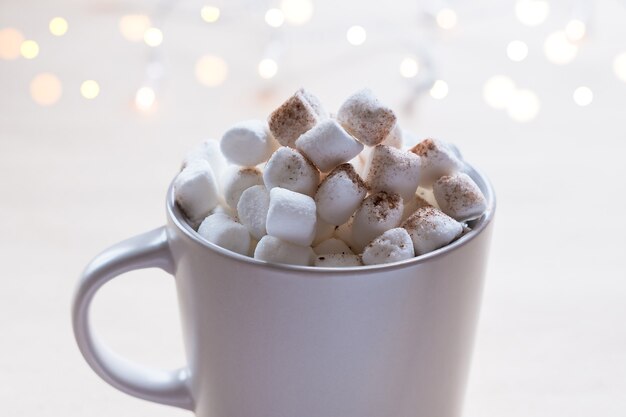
(210,14)
(29,49)
(153,37)
(89,89)
(45,89)
(58,26)
(10,43)
(145,98)
(211,70)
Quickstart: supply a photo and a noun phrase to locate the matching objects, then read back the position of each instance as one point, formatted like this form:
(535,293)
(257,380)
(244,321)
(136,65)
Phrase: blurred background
(100,101)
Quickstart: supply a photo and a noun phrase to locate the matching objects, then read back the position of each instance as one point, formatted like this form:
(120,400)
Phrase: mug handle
(147,250)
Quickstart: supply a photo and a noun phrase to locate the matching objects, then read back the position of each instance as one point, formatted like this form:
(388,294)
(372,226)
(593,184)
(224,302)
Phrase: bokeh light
(297,12)
(517,51)
(558,49)
(409,67)
(498,91)
(446,18)
(575,30)
(267,68)
(356,35)
(10,43)
(89,89)
(145,98)
(153,37)
(583,96)
(439,90)
(211,70)
(532,12)
(134,26)
(275,18)
(29,49)
(210,14)
(523,106)
(46,89)
(58,26)
(619,66)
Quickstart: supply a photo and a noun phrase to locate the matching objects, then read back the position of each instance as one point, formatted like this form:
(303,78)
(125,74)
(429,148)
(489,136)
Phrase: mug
(273,340)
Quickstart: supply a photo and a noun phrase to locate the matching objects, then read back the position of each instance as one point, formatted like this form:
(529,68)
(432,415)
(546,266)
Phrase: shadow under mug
(272,340)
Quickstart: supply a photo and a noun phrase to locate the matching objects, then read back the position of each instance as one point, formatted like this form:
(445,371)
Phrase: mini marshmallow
(273,249)
(195,191)
(252,209)
(323,231)
(412,204)
(392,246)
(395,138)
(394,171)
(209,151)
(337,260)
(459,197)
(291,216)
(224,231)
(328,145)
(236,180)
(287,168)
(344,232)
(332,245)
(295,116)
(437,160)
(366,118)
(378,213)
(359,163)
(339,194)
(431,229)
(248,143)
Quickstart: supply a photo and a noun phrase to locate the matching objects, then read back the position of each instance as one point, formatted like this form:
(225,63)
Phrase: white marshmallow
(437,160)
(394,138)
(323,231)
(412,204)
(459,197)
(344,232)
(291,216)
(339,194)
(394,171)
(195,191)
(295,116)
(392,246)
(332,245)
(431,229)
(337,260)
(209,151)
(328,145)
(359,163)
(236,180)
(252,209)
(248,143)
(366,118)
(287,168)
(224,231)
(378,213)
(273,249)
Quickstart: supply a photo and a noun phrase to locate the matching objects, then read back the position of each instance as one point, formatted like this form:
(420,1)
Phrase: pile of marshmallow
(309,188)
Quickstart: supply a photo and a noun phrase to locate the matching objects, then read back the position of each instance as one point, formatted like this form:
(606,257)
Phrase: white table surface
(81,175)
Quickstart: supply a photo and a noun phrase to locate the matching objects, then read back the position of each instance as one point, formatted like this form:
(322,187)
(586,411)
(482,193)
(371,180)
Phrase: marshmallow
(236,180)
(273,249)
(328,145)
(392,246)
(337,260)
(394,171)
(195,191)
(378,213)
(291,216)
(323,231)
(287,168)
(459,197)
(295,116)
(366,118)
(431,229)
(339,194)
(438,159)
(224,231)
(248,143)
(252,209)
(344,232)
(412,204)
(332,245)
(394,138)
(209,151)
(359,163)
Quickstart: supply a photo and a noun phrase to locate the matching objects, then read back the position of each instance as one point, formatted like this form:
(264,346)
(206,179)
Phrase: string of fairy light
(560,47)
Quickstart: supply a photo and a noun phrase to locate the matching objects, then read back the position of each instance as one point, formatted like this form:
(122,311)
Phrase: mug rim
(176,217)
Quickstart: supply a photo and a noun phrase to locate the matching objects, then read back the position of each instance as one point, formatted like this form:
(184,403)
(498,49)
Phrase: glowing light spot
(583,96)
(274,17)
(211,70)
(297,12)
(619,66)
(575,30)
(498,91)
(89,89)
(517,51)
(523,106)
(439,90)
(532,12)
(58,26)
(446,18)
(409,67)
(356,35)
(10,43)
(558,49)
(153,37)
(29,49)
(145,98)
(268,68)
(210,14)
(45,89)
(134,26)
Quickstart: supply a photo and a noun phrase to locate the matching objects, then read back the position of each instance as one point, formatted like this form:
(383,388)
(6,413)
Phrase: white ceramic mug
(269,340)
